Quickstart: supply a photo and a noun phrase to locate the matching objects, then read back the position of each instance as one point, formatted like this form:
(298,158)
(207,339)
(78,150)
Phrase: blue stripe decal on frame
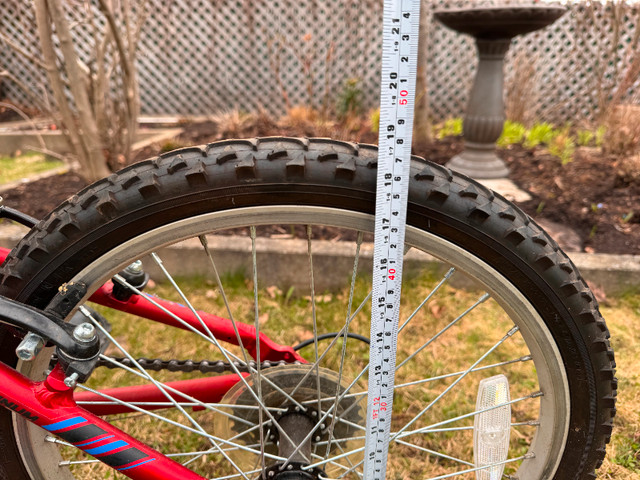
(109,447)
(94,441)
(137,464)
(70,422)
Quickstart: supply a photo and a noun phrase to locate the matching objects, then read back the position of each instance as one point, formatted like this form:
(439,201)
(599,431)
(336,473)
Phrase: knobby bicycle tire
(240,175)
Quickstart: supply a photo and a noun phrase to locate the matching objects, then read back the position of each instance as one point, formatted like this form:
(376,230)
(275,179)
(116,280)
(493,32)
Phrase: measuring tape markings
(401,23)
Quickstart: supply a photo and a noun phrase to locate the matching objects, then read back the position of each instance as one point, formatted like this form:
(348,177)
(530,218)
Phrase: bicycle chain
(203,366)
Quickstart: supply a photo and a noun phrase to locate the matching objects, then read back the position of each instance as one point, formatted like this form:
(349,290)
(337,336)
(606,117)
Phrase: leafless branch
(17,48)
(24,88)
(26,118)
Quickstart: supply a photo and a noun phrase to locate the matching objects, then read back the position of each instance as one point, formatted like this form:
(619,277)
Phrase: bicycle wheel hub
(315,417)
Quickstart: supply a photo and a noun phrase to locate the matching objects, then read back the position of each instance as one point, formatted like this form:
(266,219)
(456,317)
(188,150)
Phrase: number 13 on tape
(401,24)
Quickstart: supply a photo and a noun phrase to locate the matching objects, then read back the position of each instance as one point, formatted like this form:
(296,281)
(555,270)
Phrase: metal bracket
(17,216)
(49,323)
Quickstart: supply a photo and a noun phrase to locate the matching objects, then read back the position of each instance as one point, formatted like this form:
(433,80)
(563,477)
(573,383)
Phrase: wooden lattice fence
(207,56)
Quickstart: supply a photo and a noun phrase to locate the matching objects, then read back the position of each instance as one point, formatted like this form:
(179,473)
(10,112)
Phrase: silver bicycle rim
(42,458)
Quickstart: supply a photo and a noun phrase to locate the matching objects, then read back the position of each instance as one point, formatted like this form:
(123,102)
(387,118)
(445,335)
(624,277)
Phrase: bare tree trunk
(101,125)
(67,116)
(78,83)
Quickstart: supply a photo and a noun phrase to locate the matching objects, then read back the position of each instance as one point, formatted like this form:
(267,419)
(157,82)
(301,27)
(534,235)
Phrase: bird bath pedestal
(492,28)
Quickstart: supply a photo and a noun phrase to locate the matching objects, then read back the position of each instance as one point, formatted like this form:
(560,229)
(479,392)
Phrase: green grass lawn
(23,166)
(623,454)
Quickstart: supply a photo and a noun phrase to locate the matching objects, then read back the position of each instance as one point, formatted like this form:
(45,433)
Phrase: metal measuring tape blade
(401,25)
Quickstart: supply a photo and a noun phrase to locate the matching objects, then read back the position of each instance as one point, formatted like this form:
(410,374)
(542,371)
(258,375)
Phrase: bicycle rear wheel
(502,299)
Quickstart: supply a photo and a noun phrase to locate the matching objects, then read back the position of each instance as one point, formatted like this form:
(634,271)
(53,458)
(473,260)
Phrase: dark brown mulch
(40,197)
(588,195)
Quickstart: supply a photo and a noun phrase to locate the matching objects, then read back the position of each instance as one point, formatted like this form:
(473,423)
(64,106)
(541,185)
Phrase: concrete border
(280,261)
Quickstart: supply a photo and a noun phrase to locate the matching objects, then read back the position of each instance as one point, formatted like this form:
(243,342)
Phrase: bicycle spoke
(340,440)
(207,406)
(429,428)
(508,335)
(312,286)
(258,382)
(184,427)
(223,350)
(211,406)
(434,453)
(343,354)
(526,358)
(484,467)
(481,300)
(446,278)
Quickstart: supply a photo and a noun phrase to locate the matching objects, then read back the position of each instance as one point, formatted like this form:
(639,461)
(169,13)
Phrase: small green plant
(374,119)
(601,131)
(349,103)
(513,132)
(288,295)
(628,455)
(170,145)
(563,147)
(449,128)
(627,217)
(540,207)
(584,138)
(540,133)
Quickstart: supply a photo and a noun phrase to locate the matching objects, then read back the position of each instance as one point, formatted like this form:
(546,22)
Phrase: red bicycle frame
(54,406)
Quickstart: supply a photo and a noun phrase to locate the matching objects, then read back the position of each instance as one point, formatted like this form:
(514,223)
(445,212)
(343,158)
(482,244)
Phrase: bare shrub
(522,90)
(237,124)
(629,169)
(622,125)
(96,102)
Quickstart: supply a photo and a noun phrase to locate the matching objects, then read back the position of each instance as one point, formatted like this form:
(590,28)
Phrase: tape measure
(401,25)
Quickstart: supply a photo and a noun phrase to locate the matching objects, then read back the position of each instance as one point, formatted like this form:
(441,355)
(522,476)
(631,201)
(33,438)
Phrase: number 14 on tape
(401,25)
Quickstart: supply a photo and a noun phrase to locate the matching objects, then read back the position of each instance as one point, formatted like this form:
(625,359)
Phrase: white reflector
(491,428)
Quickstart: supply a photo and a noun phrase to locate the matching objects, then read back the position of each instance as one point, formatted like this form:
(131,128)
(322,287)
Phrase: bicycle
(76,392)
